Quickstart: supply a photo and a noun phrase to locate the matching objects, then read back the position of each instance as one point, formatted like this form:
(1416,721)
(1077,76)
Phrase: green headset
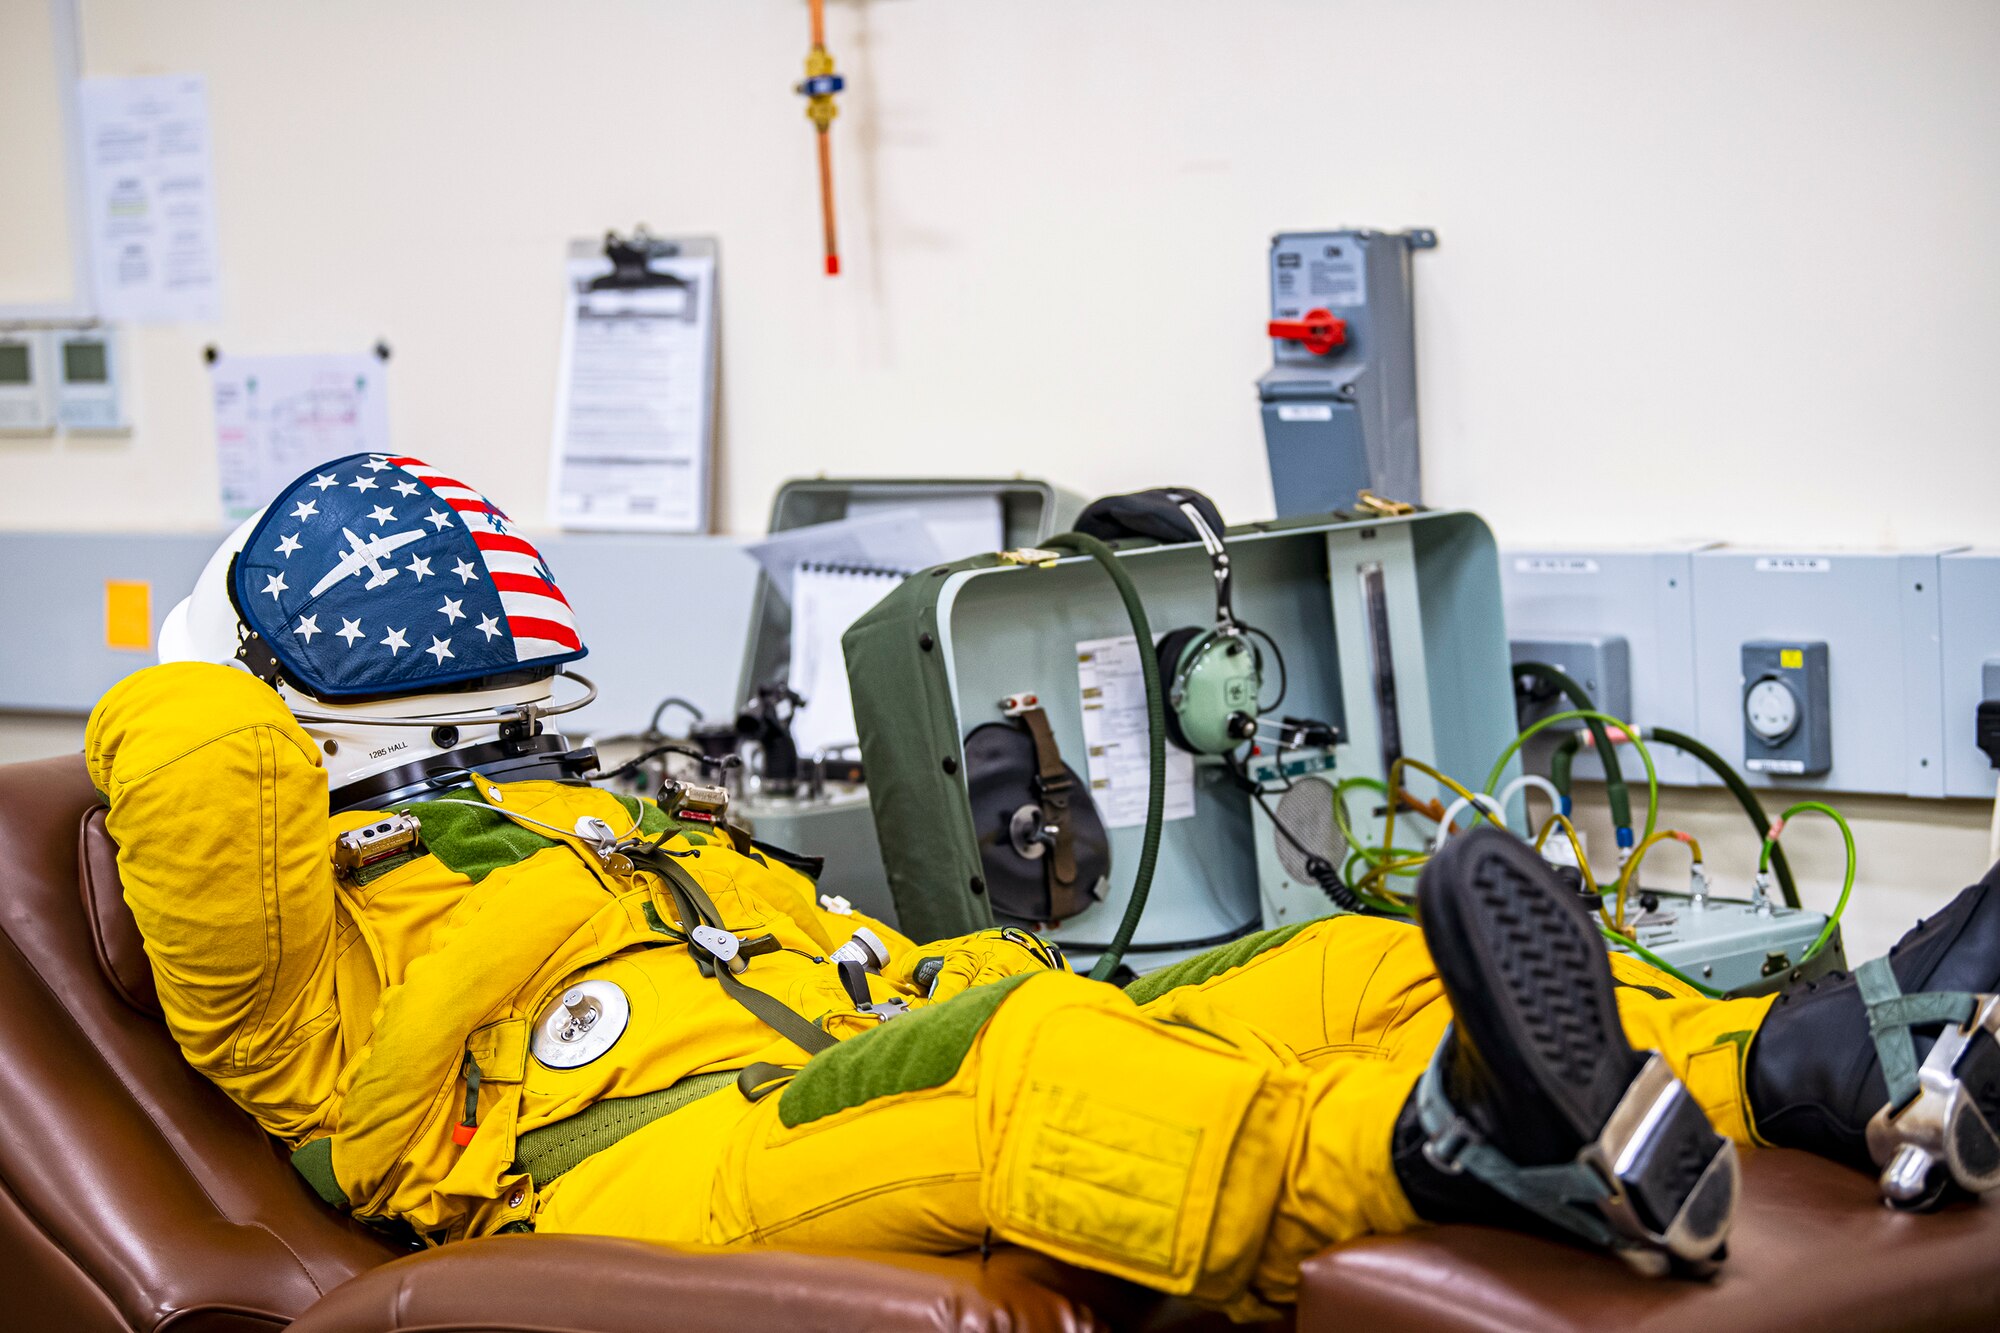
(1214,673)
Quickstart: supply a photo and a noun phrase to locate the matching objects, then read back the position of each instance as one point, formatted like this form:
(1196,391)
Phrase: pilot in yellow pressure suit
(483,996)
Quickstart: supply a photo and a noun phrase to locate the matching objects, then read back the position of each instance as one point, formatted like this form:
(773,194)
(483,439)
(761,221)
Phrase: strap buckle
(1935,1134)
(1443,1149)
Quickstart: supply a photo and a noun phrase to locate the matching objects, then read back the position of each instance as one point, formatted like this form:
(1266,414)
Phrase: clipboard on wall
(634,443)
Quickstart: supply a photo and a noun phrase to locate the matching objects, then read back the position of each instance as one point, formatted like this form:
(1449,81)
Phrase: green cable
(1846,885)
(1753,808)
(1614,777)
(1565,755)
(1582,714)
(1156,742)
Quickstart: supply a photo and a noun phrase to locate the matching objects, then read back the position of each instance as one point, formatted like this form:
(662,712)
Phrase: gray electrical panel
(1787,716)
(1340,400)
(1601,663)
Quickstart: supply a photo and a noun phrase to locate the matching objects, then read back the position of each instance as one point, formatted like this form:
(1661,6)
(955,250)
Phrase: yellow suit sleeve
(218,806)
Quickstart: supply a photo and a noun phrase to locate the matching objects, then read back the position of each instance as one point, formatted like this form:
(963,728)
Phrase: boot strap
(1891,1015)
(1452,1145)
(1583,1196)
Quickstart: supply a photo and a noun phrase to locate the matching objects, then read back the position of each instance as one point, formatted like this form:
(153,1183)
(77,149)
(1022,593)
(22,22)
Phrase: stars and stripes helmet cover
(377,575)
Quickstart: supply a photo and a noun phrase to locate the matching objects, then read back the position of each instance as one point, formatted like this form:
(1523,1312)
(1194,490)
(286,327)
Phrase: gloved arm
(944,968)
(218,806)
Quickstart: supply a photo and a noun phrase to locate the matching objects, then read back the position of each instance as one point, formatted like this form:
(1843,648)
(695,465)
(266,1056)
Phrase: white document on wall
(826,600)
(276,416)
(635,400)
(149,186)
(1112,684)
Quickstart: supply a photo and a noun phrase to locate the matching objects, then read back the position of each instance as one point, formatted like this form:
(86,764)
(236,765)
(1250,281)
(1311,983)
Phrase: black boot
(1814,1076)
(1536,1113)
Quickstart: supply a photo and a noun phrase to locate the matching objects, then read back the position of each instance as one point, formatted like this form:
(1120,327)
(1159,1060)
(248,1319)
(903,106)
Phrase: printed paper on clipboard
(635,402)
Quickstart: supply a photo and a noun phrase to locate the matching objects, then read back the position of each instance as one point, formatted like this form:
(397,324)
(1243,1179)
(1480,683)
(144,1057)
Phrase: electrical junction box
(1739,948)
(1970,584)
(88,372)
(1787,727)
(27,398)
(1644,598)
(1878,615)
(1340,400)
(1601,664)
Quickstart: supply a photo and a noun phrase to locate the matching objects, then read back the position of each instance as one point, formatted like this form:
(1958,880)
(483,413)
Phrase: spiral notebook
(826,599)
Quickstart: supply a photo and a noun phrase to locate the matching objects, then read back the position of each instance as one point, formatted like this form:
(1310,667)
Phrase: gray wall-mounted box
(1879,615)
(1341,416)
(1970,584)
(1645,598)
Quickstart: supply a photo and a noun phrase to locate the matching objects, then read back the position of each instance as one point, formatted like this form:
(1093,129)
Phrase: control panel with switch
(1340,400)
(27,403)
(1787,724)
(87,369)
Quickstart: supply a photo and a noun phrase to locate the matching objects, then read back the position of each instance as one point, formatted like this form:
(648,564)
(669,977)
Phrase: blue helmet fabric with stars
(378,575)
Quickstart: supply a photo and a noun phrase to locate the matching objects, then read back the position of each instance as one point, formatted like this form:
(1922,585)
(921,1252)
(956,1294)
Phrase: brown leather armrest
(1812,1248)
(552,1283)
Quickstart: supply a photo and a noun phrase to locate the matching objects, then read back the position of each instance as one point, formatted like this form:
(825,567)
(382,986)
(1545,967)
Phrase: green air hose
(1614,777)
(1079,543)
(1746,796)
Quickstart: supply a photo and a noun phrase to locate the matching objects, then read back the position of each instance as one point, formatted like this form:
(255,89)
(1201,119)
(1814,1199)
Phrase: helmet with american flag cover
(413,634)
(378,575)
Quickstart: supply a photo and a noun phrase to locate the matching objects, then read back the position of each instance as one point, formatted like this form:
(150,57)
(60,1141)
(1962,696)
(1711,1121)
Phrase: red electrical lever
(1319,331)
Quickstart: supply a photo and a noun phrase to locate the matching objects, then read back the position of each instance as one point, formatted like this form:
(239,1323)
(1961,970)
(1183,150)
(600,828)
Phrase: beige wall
(1715,267)
(1721,268)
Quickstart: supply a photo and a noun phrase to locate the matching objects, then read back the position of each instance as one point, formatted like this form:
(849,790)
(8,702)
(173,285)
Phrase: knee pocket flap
(922,1049)
(1119,1141)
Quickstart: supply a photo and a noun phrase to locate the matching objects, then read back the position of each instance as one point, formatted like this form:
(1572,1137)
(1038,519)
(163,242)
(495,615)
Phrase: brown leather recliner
(134,1196)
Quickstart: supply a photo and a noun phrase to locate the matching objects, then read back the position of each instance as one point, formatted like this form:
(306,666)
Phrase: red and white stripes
(538,615)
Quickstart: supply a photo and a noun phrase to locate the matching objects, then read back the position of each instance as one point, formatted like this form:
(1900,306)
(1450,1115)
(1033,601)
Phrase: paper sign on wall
(276,416)
(635,397)
(149,183)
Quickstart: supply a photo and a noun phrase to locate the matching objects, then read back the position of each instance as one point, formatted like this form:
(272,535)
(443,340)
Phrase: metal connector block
(1638,1154)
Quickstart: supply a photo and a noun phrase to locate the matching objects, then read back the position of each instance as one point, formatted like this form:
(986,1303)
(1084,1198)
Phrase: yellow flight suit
(1202,1135)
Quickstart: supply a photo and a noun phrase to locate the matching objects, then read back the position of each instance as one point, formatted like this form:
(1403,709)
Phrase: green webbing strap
(471,1072)
(693,904)
(762,1079)
(1891,1015)
(1549,1192)
(314,1161)
(547,1153)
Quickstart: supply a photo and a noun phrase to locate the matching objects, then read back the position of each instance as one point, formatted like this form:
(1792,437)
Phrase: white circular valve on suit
(582,1023)
(1771,709)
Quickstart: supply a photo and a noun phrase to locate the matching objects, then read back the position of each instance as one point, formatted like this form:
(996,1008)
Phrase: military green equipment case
(1390,629)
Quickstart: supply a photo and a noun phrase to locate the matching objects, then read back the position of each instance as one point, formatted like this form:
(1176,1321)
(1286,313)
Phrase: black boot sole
(1531,991)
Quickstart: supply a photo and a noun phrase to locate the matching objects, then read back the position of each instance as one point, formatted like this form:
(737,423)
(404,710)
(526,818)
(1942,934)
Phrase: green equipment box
(1385,632)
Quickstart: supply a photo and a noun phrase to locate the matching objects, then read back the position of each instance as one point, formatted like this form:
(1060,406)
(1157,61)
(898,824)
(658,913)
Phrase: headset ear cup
(1171,652)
